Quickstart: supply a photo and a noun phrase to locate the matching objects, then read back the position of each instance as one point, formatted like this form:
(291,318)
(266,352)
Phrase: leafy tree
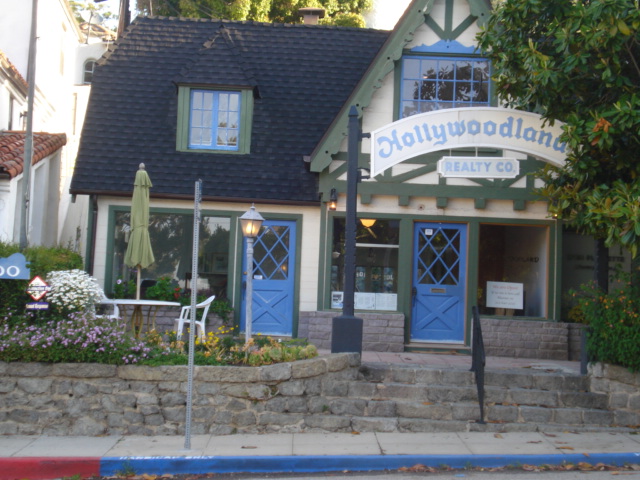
(89,6)
(577,61)
(339,12)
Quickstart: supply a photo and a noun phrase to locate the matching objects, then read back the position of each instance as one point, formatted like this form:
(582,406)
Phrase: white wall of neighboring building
(60,102)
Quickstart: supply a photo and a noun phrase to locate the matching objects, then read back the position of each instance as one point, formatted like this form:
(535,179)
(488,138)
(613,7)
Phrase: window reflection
(172,240)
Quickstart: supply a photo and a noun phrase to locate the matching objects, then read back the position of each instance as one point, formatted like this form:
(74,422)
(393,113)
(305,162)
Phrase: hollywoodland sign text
(466,128)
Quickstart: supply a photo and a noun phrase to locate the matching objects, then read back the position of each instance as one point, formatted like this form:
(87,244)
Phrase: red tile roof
(12,71)
(12,150)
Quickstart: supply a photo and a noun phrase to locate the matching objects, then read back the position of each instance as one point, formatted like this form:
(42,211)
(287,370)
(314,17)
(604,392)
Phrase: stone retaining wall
(381,332)
(525,339)
(94,399)
(622,388)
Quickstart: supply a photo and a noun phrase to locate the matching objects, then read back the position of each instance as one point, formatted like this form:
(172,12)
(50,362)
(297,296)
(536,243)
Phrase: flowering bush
(614,324)
(82,337)
(73,291)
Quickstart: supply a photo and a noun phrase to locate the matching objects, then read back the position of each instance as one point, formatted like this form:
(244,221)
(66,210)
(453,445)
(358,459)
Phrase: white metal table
(137,318)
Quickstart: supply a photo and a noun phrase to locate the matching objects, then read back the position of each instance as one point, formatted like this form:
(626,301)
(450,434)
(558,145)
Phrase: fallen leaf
(427,403)
(248,446)
(497,435)
(566,448)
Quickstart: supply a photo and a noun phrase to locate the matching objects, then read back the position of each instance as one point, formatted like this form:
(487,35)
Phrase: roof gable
(416,14)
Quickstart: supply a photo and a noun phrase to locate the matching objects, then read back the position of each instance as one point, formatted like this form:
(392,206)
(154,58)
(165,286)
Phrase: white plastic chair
(185,314)
(104,306)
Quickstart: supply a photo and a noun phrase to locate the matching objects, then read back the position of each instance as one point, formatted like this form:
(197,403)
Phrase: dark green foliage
(577,62)
(614,324)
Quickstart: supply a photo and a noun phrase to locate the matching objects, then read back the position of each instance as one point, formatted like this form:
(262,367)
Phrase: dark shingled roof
(302,75)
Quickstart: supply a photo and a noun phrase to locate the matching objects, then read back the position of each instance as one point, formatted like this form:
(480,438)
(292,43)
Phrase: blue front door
(439,287)
(274,254)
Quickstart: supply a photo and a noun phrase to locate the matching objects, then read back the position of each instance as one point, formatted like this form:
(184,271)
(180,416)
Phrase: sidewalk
(54,457)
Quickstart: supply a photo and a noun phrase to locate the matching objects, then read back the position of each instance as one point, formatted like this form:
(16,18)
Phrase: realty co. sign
(466,128)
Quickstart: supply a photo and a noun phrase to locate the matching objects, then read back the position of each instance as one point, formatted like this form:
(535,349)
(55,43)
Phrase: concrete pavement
(42,457)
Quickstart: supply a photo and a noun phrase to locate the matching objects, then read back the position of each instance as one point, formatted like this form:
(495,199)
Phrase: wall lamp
(333,200)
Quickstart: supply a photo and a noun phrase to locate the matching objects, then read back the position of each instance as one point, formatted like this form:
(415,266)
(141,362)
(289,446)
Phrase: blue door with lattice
(439,286)
(274,254)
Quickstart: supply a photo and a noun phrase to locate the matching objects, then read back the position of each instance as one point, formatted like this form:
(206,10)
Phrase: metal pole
(249,300)
(28,141)
(346,331)
(192,315)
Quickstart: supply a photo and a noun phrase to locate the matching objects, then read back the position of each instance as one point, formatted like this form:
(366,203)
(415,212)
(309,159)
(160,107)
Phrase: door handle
(414,294)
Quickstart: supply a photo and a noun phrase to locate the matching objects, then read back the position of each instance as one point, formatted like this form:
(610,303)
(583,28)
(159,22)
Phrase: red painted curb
(45,468)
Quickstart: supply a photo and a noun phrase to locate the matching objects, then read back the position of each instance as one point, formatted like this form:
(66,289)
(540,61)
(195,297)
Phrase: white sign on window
(505,295)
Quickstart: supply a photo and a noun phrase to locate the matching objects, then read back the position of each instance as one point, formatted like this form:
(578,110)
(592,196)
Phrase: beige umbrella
(139,253)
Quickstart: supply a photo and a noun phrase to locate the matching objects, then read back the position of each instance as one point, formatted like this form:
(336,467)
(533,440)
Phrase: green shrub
(614,324)
(42,260)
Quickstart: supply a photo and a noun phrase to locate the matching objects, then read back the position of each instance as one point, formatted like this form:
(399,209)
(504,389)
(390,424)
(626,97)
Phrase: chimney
(310,15)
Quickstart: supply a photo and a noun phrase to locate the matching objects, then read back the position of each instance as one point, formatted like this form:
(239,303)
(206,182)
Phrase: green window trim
(245,124)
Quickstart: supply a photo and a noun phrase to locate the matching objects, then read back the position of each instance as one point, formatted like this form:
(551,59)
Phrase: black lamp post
(346,330)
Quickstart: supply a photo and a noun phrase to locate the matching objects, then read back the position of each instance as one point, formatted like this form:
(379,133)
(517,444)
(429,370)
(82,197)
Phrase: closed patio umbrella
(139,253)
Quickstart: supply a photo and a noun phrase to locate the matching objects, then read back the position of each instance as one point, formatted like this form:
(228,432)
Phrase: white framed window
(214,120)
(435,83)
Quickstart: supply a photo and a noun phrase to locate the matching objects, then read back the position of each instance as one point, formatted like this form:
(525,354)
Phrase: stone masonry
(95,399)
(330,394)
(525,339)
(622,388)
(382,332)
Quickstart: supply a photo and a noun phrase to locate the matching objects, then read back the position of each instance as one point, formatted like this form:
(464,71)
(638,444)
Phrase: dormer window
(435,83)
(214,120)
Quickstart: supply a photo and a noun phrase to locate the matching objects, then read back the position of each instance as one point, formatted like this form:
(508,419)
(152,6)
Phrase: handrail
(478,359)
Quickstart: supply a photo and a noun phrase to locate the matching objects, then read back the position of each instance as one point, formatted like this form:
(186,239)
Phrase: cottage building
(448,218)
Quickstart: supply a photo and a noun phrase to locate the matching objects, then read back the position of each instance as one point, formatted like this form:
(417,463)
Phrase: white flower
(73,290)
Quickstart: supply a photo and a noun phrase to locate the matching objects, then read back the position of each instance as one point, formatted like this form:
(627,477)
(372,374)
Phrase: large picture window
(435,83)
(377,245)
(172,239)
(512,270)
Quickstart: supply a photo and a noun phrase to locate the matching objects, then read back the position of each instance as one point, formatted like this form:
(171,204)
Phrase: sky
(384,16)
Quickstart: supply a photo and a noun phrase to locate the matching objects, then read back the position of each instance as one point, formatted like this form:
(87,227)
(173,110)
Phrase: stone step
(424,399)
(534,379)
(468,393)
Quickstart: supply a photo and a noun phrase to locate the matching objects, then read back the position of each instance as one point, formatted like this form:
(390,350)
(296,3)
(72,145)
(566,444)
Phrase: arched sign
(466,127)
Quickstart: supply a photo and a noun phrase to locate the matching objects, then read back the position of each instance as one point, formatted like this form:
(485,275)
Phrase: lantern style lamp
(250,223)
(333,200)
